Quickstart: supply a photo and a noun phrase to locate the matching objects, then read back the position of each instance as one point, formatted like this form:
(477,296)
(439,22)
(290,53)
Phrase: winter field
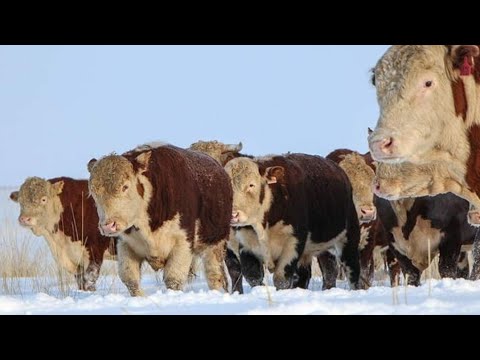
(31,283)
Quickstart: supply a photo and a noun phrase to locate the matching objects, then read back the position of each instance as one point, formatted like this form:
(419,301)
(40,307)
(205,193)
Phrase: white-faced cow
(429,97)
(61,211)
(223,153)
(166,204)
(361,172)
(289,208)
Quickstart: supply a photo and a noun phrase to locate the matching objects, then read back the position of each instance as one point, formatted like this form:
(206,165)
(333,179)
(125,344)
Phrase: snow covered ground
(30,283)
(447,297)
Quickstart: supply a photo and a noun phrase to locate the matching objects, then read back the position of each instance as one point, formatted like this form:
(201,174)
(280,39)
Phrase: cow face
(119,189)
(405,180)
(361,177)
(415,91)
(40,204)
(223,153)
(252,196)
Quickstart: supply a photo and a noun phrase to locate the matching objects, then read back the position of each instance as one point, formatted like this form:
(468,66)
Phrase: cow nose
(235,215)
(383,147)
(109,228)
(368,213)
(25,220)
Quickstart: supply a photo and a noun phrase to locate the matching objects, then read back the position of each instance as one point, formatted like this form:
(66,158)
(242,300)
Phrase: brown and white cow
(61,211)
(410,224)
(361,172)
(166,204)
(429,97)
(223,153)
(289,208)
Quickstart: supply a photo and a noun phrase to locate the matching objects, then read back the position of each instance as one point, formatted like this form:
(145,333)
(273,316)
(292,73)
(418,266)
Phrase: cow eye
(251,186)
(125,188)
(43,200)
(429,84)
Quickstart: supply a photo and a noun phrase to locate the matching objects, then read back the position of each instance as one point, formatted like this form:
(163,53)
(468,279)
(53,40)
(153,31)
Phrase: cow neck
(274,205)
(465,88)
(401,208)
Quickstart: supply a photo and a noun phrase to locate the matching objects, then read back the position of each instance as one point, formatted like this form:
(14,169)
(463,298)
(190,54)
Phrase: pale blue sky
(62,105)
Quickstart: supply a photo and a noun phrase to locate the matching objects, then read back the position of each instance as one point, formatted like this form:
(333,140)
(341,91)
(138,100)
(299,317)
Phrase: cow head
(423,93)
(252,196)
(120,191)
(405,180)
(361,177)
(40,205)
(223,153)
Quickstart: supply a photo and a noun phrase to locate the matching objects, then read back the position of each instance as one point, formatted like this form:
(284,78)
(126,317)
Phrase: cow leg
(214,257)
(92,272)
(408,269)
(285,273)
(264,247)
(475,275)
(252,268)
(235,270)
(449,252)
(462,265)
(129,265)
(394,268)
(192,273)
(349,254)
(304,272)
(177,266)
(366,261)
(328,265)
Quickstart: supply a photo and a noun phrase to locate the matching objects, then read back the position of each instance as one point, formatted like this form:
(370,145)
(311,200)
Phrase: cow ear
(463,58)
(91,164)
(370,131)
(14,196)
(143,160)
(226,157)
(58,187)
(275,174)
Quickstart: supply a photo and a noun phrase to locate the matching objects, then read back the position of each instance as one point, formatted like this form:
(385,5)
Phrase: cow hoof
(327,286)
(172,284)
(282,283)
(137,292)
(474,218)
(254,282)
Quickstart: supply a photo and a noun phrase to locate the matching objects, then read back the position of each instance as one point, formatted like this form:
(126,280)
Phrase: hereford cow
(360,172)
(289,208)
(166,204)
(223,153)
(411,223)
(61,211)
(429,104)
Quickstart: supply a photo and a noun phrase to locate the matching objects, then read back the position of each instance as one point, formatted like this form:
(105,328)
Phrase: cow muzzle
(383,149)
(367,214)
(109,228)
(238,218)
(26,221)
(380,192)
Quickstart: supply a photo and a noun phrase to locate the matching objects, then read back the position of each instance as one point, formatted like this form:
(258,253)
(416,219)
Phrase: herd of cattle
(414,196)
